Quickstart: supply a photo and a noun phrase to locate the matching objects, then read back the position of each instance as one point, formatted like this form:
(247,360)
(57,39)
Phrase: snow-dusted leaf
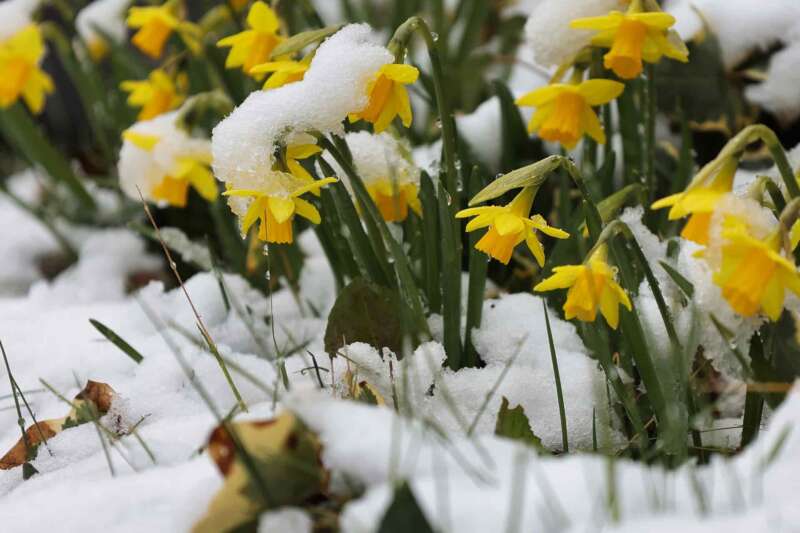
(514,424)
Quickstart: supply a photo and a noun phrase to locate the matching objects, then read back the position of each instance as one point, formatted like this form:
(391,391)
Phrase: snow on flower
(107,16)
(383,163)
(548,31)
(162,161)
(245,143)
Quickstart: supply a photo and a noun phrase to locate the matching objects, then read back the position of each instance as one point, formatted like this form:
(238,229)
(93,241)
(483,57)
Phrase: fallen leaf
(90,403)
(266,465)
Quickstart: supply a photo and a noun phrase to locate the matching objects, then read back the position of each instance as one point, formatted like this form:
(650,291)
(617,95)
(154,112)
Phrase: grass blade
(117,341)
(556,375)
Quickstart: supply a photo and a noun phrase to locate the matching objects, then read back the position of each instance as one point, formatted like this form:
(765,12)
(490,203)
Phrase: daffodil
(160,161)
(509,225)
(100,21)
(633,37)
(699,201)
(393,200)
(253,46)
(564,110)
(173,188)
(20,57)
(592,286)
(283,72)
(388,97)
(275,206)
(155,24)
(754,275)
(155,95)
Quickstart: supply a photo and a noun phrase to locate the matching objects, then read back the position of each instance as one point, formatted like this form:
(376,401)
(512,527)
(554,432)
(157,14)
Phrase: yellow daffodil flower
(276,206)
(591,286)
(393,199)
(157,94)
(564,110)
(20,57)
(155,24)
(632,37)
(699,201)
(187,170)
(254,46)
(754,275)
(388,97)
(283,72)
(509,225)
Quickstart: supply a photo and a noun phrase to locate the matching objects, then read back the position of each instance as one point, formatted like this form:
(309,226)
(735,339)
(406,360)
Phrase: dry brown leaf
(94,400)
(283,453)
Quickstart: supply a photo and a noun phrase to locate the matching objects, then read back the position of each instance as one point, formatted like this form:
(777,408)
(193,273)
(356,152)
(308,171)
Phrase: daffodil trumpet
(633,37)
(275,210)
(510,225)
(591,287)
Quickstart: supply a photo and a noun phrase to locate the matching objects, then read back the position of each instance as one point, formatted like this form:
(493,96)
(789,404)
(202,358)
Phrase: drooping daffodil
(633,37)
(564,110)
(254,45)
(276,205)
(155,25)
(591,286)
(699,200)
(755,274)
(21,55)
(388,97)
(157,94)
(510,225)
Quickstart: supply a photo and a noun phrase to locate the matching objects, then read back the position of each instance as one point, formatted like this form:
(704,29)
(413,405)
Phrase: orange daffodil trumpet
(699,200)
(633,37)
(388,97)
(564,110)
(754,275)
(162,161)
(591,286)
(253,46)
(155,25)
(510,225)
(157,94)
(276,205)
(21,55)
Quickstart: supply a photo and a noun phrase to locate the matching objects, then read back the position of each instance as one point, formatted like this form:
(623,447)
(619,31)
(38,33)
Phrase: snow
(548,32)
(106,15)
(243,143)
(15,15)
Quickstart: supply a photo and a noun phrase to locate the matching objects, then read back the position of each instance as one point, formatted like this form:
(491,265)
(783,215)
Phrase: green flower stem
(650,133)
(398,46)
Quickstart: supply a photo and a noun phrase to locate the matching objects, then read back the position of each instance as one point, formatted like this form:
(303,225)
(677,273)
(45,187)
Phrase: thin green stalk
(451,283)
(398,46)
(650,133)
(557,377)
(20,420)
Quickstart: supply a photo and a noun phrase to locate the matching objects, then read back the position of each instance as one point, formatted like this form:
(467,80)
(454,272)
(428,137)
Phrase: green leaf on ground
(404,514)
(514,424)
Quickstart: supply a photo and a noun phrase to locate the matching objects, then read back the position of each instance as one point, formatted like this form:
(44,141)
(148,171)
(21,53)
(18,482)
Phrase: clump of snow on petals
(145,170)
(548,33)
(108,16)
(378,158)
(334,86)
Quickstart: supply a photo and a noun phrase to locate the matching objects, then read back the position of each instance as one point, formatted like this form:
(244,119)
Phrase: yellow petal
(307,210)
(563,277)
(599,92)
(281,208)
(405,74)
(262,18)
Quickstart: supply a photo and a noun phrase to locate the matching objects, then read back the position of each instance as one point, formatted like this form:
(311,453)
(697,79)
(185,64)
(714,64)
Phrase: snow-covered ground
(463,483)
